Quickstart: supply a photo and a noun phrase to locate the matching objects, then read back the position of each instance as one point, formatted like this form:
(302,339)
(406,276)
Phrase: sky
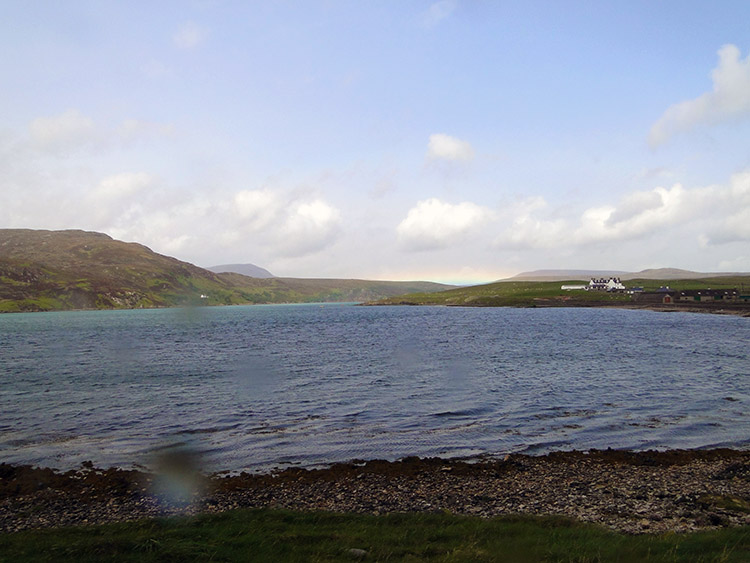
(460,141)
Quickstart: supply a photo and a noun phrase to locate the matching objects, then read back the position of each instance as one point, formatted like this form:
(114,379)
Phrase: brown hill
(57,270)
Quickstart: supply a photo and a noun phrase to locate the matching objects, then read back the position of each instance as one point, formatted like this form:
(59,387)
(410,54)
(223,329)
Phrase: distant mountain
(60,270)
(564,275)
(245,269)
(677,274)
(585,275)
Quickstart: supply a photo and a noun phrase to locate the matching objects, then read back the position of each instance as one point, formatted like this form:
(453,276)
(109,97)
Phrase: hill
(562,275)
(59,270)
(245,269)
(549,293)
(585,275)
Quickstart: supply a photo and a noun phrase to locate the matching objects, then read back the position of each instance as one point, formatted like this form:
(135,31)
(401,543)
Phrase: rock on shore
(633,492)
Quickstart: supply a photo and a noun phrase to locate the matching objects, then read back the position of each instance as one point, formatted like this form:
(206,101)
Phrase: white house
(606,284)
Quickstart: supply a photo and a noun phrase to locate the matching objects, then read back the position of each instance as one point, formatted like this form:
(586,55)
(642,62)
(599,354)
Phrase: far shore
(740,309)
(631,492)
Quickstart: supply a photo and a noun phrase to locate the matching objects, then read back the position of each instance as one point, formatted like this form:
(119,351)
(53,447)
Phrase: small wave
(477,411)
(41,440)
(557,413)
(210,430)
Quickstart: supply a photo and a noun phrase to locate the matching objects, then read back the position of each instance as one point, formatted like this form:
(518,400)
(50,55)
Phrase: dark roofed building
(703,295)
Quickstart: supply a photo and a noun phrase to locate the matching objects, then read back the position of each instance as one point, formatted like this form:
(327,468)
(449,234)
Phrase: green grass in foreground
(273,535)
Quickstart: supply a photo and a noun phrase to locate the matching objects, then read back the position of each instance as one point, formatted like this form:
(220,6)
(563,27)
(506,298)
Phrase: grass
(509,294)
(275,535)
(530,294)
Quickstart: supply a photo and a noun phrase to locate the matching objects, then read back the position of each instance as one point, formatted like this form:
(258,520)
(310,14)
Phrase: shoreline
(627,491)
(739,310)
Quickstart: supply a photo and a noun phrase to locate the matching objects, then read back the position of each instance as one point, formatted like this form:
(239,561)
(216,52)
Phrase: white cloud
(71,129)
(189,35)
(433,224)
(637,214)
(445,147)
(530,227)
(732,208)
(123,185)
(729,98)
(290,225)
(710,215)
(119,200)
(257,208)
(309,227)
(438,12)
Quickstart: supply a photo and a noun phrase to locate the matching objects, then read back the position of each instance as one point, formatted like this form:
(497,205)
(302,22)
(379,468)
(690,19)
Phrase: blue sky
(458,141)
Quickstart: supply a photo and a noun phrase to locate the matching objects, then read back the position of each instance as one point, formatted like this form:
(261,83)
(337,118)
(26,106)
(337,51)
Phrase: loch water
(260,387)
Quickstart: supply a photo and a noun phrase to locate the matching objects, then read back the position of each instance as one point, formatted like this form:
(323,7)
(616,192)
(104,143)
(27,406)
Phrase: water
(258,387)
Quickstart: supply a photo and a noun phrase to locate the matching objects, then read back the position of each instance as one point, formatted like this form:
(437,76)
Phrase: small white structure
(571,287)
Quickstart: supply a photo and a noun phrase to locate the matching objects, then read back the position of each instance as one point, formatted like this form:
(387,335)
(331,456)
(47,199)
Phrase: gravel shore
(632,492)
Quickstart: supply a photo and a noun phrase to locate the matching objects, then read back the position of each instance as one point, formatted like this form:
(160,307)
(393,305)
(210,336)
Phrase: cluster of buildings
(599,284)
(667,296)
(664,294)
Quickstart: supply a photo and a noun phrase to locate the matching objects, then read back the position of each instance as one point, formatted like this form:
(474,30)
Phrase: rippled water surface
(265,386)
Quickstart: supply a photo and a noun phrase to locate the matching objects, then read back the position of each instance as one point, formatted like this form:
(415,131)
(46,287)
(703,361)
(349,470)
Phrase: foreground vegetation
(534,294)
(274,535)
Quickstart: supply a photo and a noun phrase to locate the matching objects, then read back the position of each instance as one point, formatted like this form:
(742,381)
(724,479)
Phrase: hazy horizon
(451,141)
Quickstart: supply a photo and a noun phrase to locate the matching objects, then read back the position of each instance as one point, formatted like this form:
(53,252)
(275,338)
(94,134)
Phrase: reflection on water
(265,386)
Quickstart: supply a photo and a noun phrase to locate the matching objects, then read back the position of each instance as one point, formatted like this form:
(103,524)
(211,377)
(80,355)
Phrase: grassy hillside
(59,270)
(533,294)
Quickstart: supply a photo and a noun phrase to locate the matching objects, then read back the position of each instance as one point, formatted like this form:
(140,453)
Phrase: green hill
(550,294)
(59,270)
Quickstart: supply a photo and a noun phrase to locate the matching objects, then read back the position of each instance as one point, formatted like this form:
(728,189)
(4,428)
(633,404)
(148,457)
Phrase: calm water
(266,386)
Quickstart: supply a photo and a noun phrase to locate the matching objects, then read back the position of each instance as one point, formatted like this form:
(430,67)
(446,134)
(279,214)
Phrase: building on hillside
(598,284)
(605,284)
(709,295)
(663,295)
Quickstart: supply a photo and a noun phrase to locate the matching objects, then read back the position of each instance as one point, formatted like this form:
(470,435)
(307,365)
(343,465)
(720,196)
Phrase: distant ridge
(245,269)
(649,274)
(563,275)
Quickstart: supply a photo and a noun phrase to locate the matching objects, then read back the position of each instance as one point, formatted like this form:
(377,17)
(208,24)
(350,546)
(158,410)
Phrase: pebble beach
(630,492)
